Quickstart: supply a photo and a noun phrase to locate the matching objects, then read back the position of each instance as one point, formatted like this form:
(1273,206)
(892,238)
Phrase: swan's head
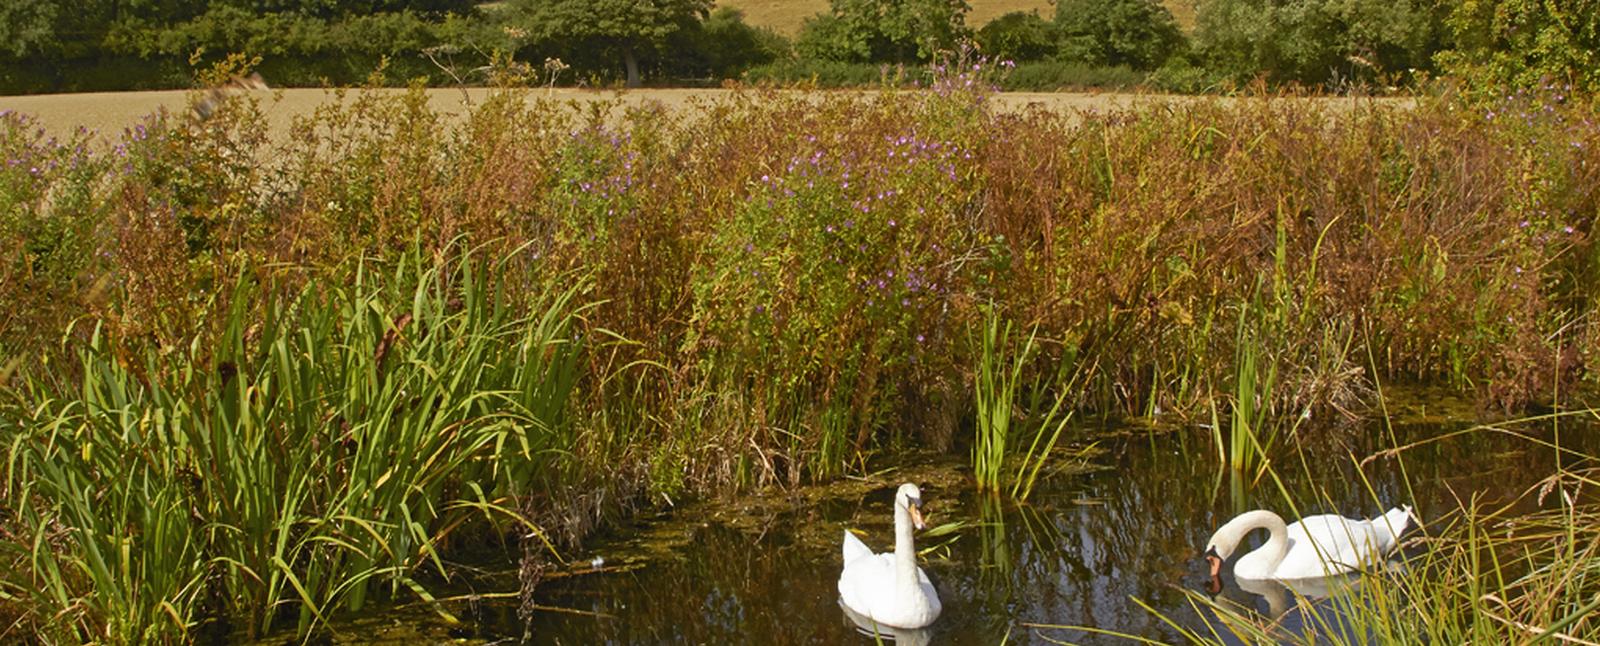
(1223,543)
(909,498)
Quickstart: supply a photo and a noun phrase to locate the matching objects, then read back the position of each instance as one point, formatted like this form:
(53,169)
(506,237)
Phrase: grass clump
(998,389)
(329,446)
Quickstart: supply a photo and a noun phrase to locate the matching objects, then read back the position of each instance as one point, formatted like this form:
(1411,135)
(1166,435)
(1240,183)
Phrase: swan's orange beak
(1214,584)
(916,516)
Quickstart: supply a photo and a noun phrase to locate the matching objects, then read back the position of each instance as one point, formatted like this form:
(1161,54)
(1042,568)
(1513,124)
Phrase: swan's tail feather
(854,548)
(1391,525)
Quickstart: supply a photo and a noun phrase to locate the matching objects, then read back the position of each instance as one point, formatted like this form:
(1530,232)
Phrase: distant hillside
(785,16)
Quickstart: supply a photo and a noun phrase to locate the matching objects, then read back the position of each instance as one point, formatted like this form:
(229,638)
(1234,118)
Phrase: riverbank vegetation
(1219,46)
(247,384)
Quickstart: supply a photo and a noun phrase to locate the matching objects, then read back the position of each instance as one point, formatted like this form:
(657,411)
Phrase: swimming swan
(889,588)
(1313,547)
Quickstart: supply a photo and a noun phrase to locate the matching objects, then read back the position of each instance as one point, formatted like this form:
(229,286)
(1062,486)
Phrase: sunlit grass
(325,449)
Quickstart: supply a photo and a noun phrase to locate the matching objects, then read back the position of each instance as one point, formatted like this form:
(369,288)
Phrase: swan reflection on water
(1284,595)
(900,636)
(1294,606)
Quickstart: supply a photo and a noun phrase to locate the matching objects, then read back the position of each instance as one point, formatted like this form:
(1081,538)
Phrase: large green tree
(898,31)
(1314,41)
(631,27)
(27,27)
(1018,36)
(1138,33)
(1526,42)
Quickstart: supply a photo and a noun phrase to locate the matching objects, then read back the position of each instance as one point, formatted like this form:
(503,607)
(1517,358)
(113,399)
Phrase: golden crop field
(110,112)
(786,16)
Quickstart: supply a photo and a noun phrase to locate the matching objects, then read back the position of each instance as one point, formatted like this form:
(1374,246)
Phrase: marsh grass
(317,393)
(329,447)
(998,396)
(995,383)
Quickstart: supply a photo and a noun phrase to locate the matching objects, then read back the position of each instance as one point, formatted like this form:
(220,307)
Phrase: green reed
(325,449)
(997,384)
(994,389)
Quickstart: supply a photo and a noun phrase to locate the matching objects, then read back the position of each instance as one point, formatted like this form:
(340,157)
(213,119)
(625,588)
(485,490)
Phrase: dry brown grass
(786,16)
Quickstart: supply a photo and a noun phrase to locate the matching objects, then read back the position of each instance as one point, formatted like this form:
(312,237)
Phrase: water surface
(1096,540)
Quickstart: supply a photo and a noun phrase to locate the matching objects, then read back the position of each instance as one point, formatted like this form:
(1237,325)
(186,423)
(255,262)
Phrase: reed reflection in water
(1079,554)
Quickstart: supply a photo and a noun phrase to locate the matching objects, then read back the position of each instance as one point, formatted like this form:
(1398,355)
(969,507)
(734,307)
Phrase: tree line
(54,45)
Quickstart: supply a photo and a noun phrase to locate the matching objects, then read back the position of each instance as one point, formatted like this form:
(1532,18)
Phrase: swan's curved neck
(1263,561)
(905,553)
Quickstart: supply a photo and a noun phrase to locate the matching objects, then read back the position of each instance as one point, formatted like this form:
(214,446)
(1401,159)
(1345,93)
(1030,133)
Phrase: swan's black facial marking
(1211,553)
(913,501)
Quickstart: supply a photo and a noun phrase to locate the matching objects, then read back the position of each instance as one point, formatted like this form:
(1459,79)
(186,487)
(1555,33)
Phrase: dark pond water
(1087,550)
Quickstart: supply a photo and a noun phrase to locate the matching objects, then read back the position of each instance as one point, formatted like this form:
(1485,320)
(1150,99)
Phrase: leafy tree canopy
(630,26)
(1314,41)
(1138,33)
(898,31)
(26,27)
(1018,36)
(1525,43)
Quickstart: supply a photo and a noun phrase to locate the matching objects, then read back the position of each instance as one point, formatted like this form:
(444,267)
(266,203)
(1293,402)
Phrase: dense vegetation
(54,45)
(267,380)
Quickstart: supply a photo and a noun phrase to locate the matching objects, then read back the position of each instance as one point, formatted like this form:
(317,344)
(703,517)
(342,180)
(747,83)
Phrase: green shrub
(823,73)
(1503,44)
(1137,33)
(1018,36)
(1318,41)
(734,46)
(722,46)
(893,31)
(1047,76)
(1180,74)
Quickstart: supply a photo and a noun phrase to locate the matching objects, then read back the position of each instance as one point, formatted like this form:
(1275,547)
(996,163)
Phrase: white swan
(889,588)
(1315,546)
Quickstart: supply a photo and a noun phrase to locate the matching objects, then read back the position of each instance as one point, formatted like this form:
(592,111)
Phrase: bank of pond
(254,386)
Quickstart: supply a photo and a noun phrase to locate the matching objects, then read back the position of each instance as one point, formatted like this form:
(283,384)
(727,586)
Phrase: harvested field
(110,112)
(786,16)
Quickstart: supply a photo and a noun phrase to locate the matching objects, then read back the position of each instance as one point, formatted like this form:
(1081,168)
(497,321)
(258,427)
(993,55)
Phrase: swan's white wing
(1328,544)
(867,584)
(1390,526)
(854,548)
